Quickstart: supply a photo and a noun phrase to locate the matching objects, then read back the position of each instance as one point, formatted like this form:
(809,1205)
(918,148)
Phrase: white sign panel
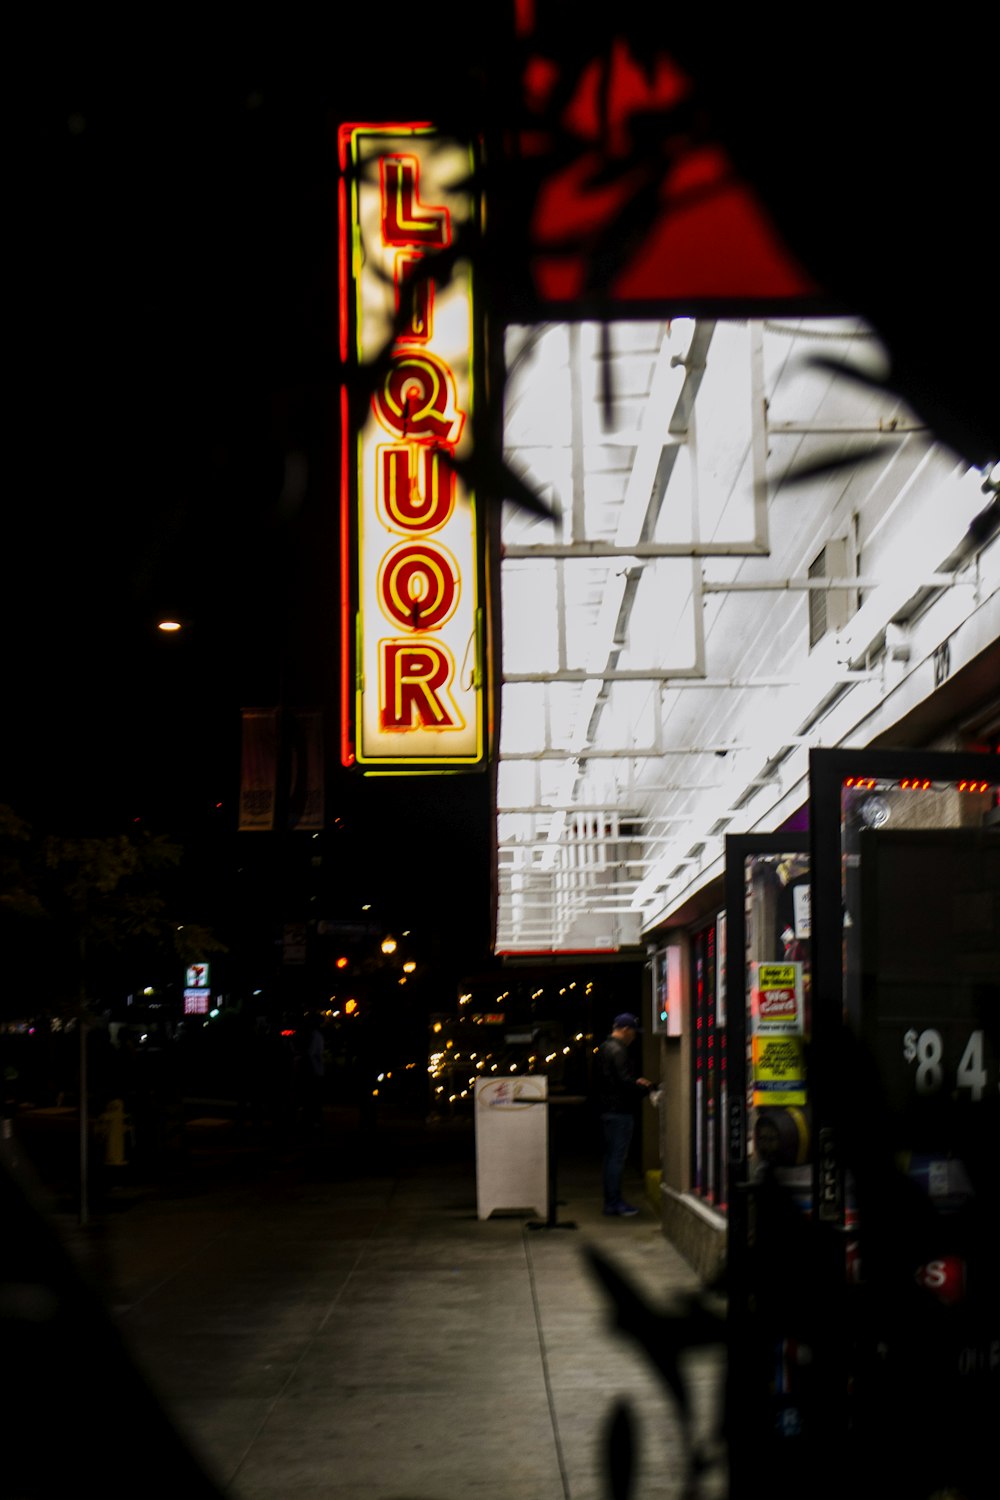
(512,1159)
(802,899)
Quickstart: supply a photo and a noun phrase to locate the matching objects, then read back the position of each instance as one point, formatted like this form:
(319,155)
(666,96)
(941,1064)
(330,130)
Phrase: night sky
(176,455)
(172,440)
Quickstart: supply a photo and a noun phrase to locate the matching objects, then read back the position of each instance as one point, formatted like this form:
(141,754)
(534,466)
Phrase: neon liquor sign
(412,670)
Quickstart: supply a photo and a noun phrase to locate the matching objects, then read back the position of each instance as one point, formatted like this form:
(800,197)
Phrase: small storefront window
(708,1174)
(778,970)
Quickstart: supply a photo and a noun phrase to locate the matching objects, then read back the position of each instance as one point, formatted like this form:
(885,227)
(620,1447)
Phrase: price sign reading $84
(926,1051)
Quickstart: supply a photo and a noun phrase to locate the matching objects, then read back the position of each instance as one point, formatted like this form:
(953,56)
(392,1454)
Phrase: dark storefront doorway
(865,1315)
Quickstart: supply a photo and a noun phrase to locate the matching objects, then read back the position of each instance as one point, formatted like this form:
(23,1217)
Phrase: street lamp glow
(168,625)
(389,945)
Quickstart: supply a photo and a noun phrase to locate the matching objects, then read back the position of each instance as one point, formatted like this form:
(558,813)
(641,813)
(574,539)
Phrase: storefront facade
(752,557)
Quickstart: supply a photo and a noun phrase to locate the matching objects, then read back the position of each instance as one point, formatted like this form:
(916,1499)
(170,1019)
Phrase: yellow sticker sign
(776,998)
(779,1070)
(777,976)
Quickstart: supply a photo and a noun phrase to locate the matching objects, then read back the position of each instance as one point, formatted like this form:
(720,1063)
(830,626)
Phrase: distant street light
(389,945)
(168,625)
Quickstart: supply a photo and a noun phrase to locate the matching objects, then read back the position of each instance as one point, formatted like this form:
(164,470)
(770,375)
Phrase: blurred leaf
(832,463)
(664,1337)
(622,1452)
(489,475)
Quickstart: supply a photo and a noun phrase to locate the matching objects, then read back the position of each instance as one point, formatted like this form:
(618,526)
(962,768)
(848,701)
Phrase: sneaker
(622,1210)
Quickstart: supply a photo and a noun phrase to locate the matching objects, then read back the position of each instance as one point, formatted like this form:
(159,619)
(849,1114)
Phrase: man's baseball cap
(626,1019)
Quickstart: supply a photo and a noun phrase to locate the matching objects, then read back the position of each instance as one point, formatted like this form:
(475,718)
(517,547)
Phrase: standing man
(620,1093)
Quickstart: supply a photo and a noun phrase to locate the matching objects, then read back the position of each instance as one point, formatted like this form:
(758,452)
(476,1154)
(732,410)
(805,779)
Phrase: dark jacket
(618,1092)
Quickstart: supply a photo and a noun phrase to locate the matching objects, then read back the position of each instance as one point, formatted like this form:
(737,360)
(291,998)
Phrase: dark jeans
(617,1138)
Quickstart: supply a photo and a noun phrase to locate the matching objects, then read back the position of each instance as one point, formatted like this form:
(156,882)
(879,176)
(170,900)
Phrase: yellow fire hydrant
(112,1126)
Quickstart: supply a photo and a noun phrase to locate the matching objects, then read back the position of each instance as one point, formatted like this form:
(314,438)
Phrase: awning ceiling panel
(714,582)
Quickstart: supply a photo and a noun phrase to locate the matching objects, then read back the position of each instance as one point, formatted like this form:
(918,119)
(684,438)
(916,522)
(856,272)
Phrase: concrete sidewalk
(341,1323)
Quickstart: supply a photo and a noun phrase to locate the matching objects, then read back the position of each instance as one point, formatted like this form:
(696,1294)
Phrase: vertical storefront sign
(413,635)
(282,770)
(304,751)
(259,770)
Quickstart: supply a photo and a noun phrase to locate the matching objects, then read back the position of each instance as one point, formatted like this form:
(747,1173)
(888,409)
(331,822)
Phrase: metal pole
(84,1124)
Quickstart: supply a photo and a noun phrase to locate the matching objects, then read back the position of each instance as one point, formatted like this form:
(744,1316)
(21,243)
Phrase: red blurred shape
(943,1278)
(709,238)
